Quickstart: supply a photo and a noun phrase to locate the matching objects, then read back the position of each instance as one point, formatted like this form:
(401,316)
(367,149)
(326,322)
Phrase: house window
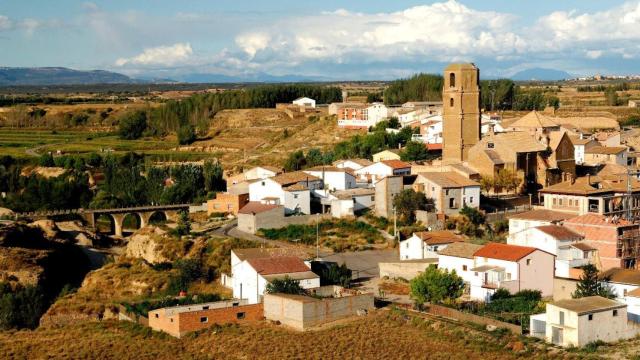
(236,303)
(433,188)
(471,199)
(590,317)
(240,315)
(446,192)
(373,198)
(615,312)
(263,183)
(157,316)
(406,245)
(490,145)
(171,319)
(295,196)
(528,262)
(451,102)
(452,203)
(464,267)
(475,274)
(204,319)
(205,307)
(624,292)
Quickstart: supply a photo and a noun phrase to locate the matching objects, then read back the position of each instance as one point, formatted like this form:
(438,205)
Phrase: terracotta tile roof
(634,293)
(448,179)
(535,119)
(559,232)
(293,177)
(396,164)
(623,276)
(463,169)
(542,215)
(257,253)
(605,150)
(434,146)
(295,187)
(504,251)
(460,249)
(326,168)
(555,137)
(598,220)
(583,246)
(438,237)
(278,265)
(256,207)
(588,304)
(590,122)
(590,185)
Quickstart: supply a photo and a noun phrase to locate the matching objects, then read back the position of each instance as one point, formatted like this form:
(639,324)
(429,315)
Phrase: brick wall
(227,203)
(180,324)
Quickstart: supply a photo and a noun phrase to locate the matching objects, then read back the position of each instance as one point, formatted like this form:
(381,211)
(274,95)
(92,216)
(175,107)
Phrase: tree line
(128,181)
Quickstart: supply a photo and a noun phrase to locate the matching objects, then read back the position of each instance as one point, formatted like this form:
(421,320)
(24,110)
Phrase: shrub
(435,285)
(186,134)
(284,286)
(501,293)
(132,125)
(21,307)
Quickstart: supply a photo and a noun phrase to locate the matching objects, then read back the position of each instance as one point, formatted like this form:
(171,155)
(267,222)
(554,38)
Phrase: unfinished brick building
(180,320)
(617,240)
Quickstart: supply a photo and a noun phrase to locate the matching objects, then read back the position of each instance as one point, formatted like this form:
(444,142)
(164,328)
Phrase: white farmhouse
(292,190)
(580,145)
(577,322)
(533,218)
(251,276)
(305,102)
(563,242)
(513,268)
(449,190)
(353,164)
(334,178)
(379,170)
(346,203)
(625,284)
(459,257)
(425,244)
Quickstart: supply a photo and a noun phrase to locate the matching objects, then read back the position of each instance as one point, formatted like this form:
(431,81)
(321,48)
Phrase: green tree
(474,215)
(336,275)
(407,202)
(186,134)
(436,286)
(611,96)
(184,224)
(214,177)
(296,161)
(507,180)
(46,160)
(284,286)
(132,125)
(590,284)
(314,157)
(414,151)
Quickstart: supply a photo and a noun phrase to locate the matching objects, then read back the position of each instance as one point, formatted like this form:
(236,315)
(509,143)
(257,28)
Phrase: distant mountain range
(541,75)
(64,76)
(59,76)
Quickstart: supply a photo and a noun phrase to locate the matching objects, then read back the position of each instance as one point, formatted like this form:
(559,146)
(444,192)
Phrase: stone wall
(476,319)
(404,269)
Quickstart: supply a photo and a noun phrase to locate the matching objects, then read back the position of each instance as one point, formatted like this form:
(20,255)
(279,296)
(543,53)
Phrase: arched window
(452,80)
(451,102)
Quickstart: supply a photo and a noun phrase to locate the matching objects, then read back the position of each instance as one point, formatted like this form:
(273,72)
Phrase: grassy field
(381,335)
(23,143)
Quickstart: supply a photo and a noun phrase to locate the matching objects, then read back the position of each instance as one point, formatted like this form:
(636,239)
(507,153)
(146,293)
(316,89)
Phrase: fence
(476,319)
(502,214)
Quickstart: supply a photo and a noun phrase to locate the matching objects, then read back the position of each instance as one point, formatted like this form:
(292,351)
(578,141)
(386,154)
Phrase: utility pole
(395,225)
(317,236)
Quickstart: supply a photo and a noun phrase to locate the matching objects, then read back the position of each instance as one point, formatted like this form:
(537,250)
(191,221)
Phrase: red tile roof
(396,164)
(504,251)
(278,265)
(434,146)
(597,219)
(559,232)
(255,207)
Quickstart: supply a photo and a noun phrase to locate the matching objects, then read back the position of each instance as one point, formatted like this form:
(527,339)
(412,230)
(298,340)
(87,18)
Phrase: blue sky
(333,39)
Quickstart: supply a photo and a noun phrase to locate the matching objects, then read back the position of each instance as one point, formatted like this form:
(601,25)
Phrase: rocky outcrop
(147,243)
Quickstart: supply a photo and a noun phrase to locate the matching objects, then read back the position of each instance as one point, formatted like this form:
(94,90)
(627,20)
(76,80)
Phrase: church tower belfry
(461,112)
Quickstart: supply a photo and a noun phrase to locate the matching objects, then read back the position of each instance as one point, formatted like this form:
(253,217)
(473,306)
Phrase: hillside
(59,76)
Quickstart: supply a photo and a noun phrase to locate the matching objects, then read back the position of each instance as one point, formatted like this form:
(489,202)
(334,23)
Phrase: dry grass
(394,287)
(382,335)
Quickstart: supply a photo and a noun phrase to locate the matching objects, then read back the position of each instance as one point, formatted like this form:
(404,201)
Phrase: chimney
(491,130)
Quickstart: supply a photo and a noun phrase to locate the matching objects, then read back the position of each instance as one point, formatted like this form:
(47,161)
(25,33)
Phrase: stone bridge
(117,215)
(144,213)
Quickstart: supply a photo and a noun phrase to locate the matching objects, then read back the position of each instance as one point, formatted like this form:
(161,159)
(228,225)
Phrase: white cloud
(5,23)
(161,55)
(594,54)
(251,43)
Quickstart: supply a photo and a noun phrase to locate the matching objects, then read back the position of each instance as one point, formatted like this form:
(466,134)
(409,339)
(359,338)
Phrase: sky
(347,40)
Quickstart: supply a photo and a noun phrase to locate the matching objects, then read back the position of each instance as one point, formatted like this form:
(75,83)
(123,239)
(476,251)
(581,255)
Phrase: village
(560,201)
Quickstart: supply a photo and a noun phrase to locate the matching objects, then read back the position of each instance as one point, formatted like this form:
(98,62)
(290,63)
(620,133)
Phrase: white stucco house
(533,218)
(345,203)
(625,284)
(558,240)
(251,276)
(511,267)
(353,164)
(580,144)
(305,102)
(425,244)
(384,168)
(449,190)
(577,322)
(292,190)
(459,257)
(334,178)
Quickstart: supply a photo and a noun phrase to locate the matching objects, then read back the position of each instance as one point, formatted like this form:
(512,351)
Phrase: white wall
(297,200)
(335,180)
(415,248)
(377,112)
(266,188)
(305,101)
(462,266)
(377,171)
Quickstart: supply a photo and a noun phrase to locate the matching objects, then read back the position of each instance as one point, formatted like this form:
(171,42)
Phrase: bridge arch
(157,217)
(105,223)
(132,221)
